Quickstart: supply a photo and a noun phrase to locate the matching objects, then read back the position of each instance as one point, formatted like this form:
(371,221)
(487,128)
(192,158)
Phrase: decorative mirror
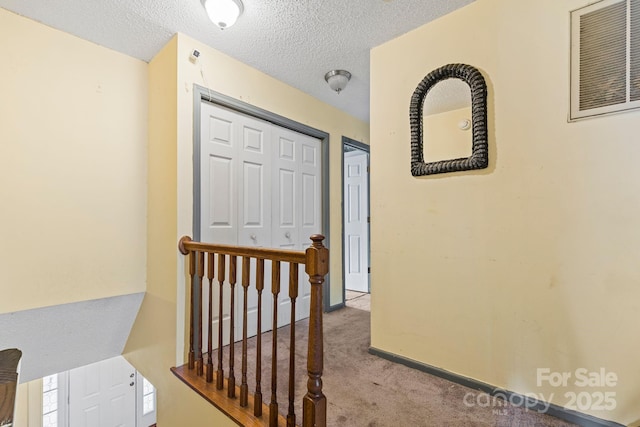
(479,157)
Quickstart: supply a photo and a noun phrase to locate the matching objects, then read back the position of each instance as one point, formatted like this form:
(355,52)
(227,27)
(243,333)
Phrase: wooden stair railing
(235,401)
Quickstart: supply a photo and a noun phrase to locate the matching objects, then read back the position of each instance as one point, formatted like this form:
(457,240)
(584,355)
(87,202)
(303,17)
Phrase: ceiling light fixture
(337,79)
(223,13)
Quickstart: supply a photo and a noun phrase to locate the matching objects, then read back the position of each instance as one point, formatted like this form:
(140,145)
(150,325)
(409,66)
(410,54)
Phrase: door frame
(348,142)
(200,94)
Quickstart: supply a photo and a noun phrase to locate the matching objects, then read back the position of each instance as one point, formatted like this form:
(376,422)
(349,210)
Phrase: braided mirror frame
(479,158)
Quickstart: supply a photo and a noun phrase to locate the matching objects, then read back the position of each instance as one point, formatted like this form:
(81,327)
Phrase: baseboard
(579,418)
(335,307)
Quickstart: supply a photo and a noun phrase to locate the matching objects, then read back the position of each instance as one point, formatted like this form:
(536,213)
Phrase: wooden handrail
(187,245)
(210,383)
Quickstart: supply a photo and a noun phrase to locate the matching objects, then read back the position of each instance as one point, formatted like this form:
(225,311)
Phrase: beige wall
(532,263)
(21,412)
(157,339)
(72,168)
(152,344)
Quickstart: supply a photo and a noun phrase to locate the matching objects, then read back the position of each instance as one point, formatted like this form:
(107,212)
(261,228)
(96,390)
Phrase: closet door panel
(311,209)
(255,217)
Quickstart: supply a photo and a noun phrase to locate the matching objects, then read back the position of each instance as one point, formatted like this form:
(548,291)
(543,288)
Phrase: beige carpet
(365,390)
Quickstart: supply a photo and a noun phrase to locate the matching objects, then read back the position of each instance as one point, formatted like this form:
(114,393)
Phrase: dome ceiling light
(223,13)
(337,79)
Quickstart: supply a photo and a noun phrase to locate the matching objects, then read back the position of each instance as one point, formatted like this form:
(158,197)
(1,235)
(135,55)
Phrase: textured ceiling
(295,41)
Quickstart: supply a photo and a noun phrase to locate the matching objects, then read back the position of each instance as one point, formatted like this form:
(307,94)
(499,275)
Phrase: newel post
(314,404)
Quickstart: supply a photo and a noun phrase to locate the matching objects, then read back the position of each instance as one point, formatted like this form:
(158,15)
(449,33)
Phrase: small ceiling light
(337,79)
(223,13)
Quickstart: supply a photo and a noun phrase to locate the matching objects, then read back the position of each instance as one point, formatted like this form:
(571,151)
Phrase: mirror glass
(446,120)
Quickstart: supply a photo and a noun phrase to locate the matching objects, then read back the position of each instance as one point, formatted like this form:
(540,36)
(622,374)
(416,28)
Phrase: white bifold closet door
(260,186)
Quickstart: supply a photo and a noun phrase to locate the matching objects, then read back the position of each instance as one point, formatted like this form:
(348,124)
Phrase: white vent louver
(605,58)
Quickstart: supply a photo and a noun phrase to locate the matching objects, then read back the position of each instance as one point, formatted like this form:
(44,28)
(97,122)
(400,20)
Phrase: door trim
(200,94)
(348,142)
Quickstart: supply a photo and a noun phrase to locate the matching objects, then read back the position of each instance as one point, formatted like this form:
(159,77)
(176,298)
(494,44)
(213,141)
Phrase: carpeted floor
(365,390)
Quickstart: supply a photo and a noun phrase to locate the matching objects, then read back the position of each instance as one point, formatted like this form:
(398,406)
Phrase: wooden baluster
(293,294)
(314,404)
(221,273)
(199,363)
(210,276)
(231,384)
(275,290)
(257,397)
(192,273)
(246,276)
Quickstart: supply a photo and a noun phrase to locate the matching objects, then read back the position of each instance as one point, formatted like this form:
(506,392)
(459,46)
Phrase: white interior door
(311,211)
(218,195)
(103,394)
(296,209)
(254,201)
(356,213)
(235,205)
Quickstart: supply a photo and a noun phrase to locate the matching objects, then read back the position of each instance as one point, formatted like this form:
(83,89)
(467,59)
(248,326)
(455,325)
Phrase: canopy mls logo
(597,393)
(501,400)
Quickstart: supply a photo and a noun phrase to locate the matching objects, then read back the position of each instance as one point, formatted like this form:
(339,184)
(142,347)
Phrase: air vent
(605,58)
(634,59)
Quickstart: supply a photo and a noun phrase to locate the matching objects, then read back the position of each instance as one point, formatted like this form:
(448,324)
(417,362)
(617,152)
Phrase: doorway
(356,269)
